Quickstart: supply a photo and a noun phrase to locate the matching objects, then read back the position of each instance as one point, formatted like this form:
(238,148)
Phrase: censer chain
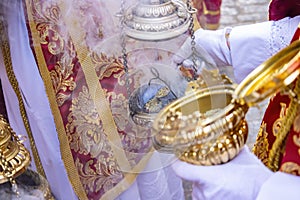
(125,54)
(192,10)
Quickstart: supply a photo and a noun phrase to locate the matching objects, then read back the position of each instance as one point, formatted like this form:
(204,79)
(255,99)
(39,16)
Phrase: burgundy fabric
(273,118)
(279,9)
(207,20)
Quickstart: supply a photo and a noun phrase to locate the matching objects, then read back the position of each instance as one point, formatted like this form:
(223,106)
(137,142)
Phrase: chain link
(122,16)
(191,11)
(8,173)
(123,45)
(4,45)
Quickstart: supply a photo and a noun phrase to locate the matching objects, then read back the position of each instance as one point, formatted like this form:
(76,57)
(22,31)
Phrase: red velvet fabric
(276,110)
(279,9)
(208,13)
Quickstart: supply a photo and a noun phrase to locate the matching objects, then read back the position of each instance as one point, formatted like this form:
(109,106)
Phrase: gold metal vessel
(208,126)
(14,157)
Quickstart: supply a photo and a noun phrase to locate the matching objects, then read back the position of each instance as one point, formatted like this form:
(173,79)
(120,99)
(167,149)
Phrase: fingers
(186,171)
(184,52)
(189,52)
(197,173)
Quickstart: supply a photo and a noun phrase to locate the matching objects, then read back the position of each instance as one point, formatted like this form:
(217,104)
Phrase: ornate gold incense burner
(208,126)
(14,157)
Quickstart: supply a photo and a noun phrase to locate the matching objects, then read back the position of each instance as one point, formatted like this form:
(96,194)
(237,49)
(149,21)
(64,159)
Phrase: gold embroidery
(47,21)
(62,79)
(103,178)
(96,130)
(291,168)
(261,147)
(56,40)
(279,144)
(209,12)
(15,85)
(297,122)
(277,124)
(84,126)
(106,66)
(119,110)
(101,173)
(296,128)
(42,17)
(296,140)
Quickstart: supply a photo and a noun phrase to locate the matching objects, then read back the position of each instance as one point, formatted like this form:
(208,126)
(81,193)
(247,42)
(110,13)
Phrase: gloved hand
(243,47)
(241,178)
(280,186)
(210,47)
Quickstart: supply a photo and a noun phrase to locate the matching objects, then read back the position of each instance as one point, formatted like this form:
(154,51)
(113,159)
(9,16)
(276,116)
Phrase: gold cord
(14,83)
(279,144)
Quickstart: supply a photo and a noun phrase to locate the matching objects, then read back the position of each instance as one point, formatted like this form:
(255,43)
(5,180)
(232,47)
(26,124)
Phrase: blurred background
(238,12)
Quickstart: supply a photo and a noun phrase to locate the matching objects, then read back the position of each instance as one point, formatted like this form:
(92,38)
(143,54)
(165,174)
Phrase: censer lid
(157,20)
(14,157)
(271,76)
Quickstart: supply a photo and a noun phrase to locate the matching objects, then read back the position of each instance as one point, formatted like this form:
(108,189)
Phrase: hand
(241,178)
(280,186)
(210,46)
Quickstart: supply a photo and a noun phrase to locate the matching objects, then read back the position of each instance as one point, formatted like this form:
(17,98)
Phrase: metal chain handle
(123,45)
(122,16)
(192,10)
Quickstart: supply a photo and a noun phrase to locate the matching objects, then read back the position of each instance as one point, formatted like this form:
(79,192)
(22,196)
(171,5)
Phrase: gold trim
(212,26)
(204,127)
(279,144)
(97,93)
(269,9)
(102,105)
(209,12)
(64,144)
(15,85)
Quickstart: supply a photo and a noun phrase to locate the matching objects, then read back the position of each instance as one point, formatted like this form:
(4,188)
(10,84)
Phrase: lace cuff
(282,32)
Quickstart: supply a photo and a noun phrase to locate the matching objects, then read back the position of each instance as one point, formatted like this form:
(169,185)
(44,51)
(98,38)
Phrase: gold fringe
(62,136)
(14,83)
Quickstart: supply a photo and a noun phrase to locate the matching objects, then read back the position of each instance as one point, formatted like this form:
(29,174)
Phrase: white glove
(241,178)
(243,47)
(210,46)
(280,186)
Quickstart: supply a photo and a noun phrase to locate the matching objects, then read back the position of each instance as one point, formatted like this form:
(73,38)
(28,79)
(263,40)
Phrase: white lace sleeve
(252,44)
(282,32)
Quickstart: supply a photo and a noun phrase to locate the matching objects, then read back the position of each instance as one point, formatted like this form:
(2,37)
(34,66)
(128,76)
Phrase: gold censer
(207,126)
